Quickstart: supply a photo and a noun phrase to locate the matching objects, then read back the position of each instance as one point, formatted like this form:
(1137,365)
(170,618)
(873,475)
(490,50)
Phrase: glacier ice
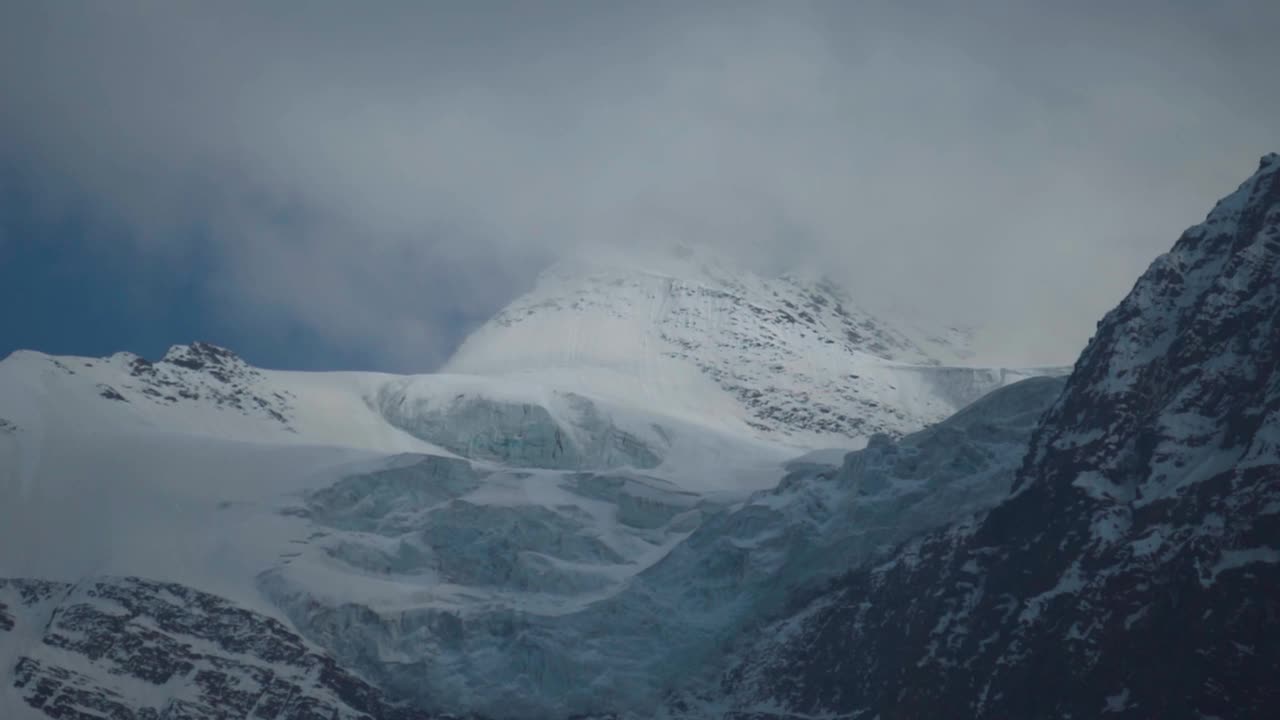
(567,432)
(576,592)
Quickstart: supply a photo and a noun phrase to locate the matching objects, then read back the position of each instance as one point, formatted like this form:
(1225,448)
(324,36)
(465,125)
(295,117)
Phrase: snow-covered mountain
(619,501)
(789,358)
(458,537)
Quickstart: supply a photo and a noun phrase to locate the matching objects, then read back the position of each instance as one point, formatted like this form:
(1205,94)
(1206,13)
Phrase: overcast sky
(333,184)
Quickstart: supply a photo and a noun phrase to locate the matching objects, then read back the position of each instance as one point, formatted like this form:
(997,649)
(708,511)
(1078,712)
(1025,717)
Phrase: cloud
(388,176)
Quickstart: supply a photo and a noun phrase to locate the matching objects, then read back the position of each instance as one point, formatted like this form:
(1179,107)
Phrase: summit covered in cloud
(324,177)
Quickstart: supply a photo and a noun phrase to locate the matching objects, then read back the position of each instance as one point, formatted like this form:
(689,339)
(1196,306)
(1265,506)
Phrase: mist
(388,176)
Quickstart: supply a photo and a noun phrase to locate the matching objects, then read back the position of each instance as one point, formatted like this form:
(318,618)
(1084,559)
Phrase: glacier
(583,616)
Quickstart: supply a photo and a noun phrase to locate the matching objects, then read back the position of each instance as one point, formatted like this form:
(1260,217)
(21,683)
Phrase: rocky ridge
(199,372)
(1133,571)
(131,649)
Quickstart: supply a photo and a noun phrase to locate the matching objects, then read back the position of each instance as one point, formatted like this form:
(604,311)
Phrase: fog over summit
(387,178)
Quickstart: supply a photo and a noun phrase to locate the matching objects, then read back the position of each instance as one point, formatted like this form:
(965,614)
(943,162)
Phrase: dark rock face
(128,649)
(1135,569)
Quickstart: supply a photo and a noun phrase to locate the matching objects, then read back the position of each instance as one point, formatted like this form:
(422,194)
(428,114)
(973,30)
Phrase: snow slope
(123,449)
(126,648)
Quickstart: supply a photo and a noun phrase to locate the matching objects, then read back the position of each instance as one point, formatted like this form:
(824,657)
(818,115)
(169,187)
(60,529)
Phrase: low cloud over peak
(388,176)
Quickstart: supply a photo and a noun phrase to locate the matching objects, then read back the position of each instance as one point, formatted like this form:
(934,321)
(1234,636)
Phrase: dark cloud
(389,174)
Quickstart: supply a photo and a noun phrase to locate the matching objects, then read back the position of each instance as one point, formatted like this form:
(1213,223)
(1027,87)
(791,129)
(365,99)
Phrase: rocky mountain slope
(128,648)
(1134,570)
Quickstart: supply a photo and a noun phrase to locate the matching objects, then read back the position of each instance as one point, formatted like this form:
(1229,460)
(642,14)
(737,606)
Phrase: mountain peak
(1252,192)
(789,357)
(1194,326)
(202,355)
